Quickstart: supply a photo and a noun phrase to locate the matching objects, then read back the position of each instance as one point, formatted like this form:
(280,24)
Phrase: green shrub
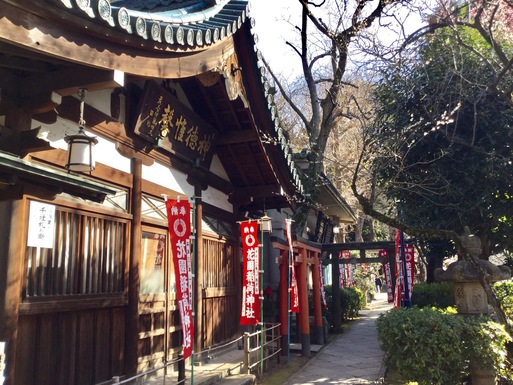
(352,301)
(433,347)
(504,292)
(439,294)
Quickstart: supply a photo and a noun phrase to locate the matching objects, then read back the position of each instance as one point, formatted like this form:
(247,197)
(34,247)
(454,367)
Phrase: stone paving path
(355,357)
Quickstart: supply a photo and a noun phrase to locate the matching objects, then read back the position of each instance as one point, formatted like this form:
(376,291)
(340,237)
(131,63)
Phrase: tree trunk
(433,264)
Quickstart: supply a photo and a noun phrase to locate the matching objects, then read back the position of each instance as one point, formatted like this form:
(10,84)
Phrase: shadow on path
(355,357)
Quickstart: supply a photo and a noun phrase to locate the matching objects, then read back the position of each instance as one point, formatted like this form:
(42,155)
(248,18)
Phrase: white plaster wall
(217,198)
(104,152)
(217,168)
(99,100)
(172,179)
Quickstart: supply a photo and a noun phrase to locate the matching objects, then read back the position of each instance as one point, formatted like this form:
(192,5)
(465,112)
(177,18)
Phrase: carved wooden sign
(170,125)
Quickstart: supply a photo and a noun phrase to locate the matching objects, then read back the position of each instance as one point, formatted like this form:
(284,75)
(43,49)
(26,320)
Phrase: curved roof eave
(195,26)
(333,201)
(96,41)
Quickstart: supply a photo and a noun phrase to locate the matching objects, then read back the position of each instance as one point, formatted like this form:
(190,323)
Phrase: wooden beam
(86,45)
(237,137)
(334,247)
(68,82)
(9,91)
(350,261)
(42,92)
(244,194)
(40,103)
(18,59)
(130,152)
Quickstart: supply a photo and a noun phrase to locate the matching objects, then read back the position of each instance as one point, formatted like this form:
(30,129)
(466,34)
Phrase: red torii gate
(335,248)
(305,254)
(310,254)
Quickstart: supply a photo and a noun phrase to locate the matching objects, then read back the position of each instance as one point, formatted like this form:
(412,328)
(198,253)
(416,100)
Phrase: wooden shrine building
(178,101)
(174,100)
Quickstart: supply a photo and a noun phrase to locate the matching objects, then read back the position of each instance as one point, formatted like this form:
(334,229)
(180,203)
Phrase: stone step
(227,366)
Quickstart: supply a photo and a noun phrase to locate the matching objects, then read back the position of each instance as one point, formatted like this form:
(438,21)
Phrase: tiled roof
(185,24)
(192,23)
(155,5)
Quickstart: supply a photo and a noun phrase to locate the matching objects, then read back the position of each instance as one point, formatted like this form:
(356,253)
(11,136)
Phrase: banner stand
(182,246)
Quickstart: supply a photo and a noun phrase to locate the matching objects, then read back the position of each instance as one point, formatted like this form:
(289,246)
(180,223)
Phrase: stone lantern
(469,294)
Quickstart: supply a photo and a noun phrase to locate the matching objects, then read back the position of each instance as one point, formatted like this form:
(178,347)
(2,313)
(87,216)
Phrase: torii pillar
(284,302)
(303,315)
(305,255)
(317,332)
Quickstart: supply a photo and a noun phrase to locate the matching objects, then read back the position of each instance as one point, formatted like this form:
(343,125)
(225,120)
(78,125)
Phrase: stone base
(482,376)
(470,298)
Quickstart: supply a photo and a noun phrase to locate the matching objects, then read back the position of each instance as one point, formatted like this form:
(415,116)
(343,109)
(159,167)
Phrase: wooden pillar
(13,228)
(304,316)
(198,271)
(132,311)
(284,302)
(317,332)
(335,293)
(11,278)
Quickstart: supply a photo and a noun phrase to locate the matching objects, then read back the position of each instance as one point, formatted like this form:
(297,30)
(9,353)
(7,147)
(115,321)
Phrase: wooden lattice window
(87,257)
(219,270)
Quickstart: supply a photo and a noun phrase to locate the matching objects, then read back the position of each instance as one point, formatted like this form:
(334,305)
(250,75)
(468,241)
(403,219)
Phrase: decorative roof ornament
(202,22)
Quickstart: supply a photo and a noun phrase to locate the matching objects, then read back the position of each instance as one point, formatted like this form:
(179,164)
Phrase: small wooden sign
(168,124)
(41,226)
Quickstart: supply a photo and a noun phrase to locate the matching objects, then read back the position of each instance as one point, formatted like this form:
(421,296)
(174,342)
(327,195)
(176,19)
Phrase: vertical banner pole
(179,224)
(251,309)
(289,274)
(406,301)
(260,290)
(193,262)
(250,312)
(292,289)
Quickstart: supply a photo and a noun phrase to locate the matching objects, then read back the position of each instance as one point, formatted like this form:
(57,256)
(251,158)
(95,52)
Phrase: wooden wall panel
(117,353)
(207,322)
(26,351)
(83,347)
(222,284)
(45,365)
(218,319)
(102,344)
(221,319)
(67,341)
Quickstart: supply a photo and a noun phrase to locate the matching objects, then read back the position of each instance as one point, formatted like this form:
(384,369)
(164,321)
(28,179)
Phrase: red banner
(250,312)
(179,222)
(349,269)
(404,270)
(323,293)
(399,287)
(388,276)
(294,297)
(409,256)
(341,271)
